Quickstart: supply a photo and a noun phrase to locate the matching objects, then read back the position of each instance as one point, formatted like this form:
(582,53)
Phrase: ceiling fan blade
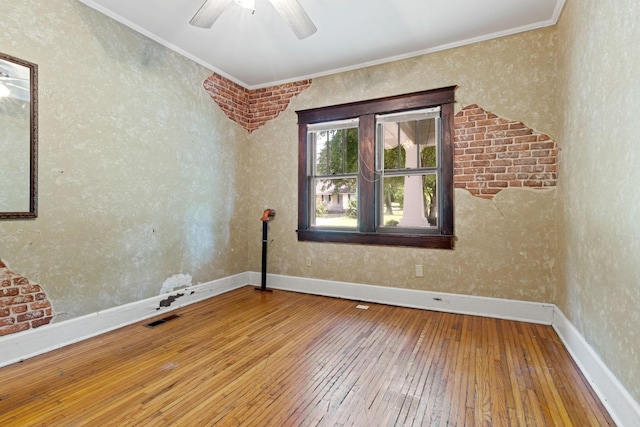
(295,16)
(209,12)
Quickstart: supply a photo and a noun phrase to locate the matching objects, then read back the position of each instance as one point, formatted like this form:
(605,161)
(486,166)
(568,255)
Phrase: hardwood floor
(248,358)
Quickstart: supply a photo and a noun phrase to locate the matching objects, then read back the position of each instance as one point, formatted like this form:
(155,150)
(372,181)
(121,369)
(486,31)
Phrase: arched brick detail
(23,304)
(492,153)
(252,108)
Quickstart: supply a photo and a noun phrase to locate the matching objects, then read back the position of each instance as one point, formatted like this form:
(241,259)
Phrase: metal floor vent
(161,321)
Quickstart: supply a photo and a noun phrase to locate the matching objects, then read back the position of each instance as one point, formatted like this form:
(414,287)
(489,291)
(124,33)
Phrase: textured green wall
(599,194)
(506,247)
(138,176)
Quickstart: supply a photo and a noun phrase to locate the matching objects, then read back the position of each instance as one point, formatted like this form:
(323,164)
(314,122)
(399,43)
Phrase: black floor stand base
(263,290)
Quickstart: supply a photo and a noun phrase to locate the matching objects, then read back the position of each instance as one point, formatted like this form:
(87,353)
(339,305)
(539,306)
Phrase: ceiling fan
(289,10)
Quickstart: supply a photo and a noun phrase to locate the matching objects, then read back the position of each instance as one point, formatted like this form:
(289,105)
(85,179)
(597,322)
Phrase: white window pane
(409,201)
(410,144)
(336,203)
(335,151)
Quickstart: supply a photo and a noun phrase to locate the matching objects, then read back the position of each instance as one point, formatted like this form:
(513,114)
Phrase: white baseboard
(30,343)
(438,301)
(624,410)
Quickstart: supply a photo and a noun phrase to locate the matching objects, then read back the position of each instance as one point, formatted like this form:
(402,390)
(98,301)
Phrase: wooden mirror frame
(33,148)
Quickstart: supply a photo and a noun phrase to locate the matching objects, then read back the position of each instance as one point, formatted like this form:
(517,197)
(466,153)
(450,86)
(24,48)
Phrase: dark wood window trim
(366,112)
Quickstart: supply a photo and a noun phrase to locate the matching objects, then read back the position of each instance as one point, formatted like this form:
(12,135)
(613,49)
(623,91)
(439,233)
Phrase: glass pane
(428,157)
(410,201)
(336,151)
(410,144)
(336,203)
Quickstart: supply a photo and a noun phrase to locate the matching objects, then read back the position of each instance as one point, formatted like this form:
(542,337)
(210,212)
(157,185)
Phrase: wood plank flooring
(248,358)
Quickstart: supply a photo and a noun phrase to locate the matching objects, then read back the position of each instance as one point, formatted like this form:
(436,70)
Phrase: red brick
(39,305)
(519,147)
(465,125)
(39,322)
(542,145)
(524,158)
(502,162)
(476,184)
(6,330)
(476,117)
(540,153)
(30,316)
(528,162)
(4,312)
(472,171)
(22,299)
(519,132)
(17,309)
(480,143)
(5,321)
(31,289)
(490,190)
(480,163)
(19,281)
(500,169)
(485,177)
(527,139)
(11,292)
(532,169)
(547,161)
(465,158)
(540,176)
(496,149)
(509,155)
(497,126)
(478,150)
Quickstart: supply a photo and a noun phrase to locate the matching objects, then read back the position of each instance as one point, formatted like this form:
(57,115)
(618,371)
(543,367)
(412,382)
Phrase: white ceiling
(259,50)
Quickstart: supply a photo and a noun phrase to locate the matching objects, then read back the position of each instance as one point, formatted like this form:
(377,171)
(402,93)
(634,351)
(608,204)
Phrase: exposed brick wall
(23,304)
(492,153)
(252,108)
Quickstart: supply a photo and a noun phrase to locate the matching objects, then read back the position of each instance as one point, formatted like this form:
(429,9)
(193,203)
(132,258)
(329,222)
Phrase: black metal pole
(263,283)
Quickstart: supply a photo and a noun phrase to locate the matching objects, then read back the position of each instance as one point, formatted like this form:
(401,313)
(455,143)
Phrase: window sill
(431,241)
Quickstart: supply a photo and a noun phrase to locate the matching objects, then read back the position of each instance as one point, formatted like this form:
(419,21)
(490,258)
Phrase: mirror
(18,138)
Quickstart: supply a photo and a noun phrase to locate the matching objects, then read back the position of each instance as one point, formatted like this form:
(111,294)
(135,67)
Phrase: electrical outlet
(308,261)
(419,270)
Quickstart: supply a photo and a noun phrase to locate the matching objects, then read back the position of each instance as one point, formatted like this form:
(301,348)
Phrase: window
(378,172)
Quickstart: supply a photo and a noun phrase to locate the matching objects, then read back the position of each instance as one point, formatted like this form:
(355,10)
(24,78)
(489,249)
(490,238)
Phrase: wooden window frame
(366,111)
